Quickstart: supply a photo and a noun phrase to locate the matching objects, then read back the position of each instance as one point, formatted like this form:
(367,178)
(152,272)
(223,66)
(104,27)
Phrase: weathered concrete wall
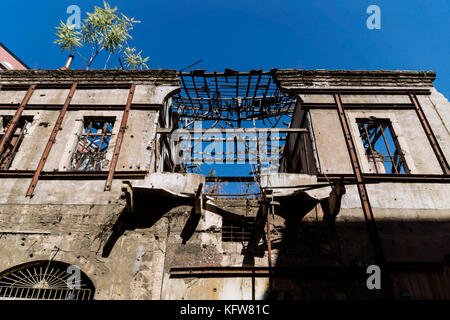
(419,156)
(403,211)
(437,110)
(331,147)
(73,234)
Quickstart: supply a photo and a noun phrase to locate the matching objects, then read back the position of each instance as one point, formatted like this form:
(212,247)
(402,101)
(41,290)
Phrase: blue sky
(246,35)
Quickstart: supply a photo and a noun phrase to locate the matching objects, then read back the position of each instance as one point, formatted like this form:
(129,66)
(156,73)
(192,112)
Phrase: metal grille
(381,146)
(93,145)
(12,146)
(234,232)
(43,280)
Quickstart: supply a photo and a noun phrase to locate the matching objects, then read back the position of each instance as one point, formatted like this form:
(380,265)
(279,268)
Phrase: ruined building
(101,196)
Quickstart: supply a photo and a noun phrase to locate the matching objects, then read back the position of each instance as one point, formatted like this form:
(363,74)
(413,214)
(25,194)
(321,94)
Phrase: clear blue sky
(255,34)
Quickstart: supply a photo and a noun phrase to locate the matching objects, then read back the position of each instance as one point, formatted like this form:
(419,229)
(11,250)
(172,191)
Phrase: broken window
(237,232)
(13,144)
(381,145)
(93,144)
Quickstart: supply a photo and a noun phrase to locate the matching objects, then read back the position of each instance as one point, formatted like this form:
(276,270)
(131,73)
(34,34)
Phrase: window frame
(84,136)
(384,123)
(12,147)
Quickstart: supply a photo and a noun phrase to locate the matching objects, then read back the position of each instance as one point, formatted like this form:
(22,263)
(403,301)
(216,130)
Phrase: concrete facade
(146,239)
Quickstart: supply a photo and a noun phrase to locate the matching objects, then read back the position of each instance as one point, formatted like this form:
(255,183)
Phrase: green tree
(105,31)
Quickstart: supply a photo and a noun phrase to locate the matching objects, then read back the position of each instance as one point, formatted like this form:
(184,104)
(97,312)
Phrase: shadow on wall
(160,202)
(316,257)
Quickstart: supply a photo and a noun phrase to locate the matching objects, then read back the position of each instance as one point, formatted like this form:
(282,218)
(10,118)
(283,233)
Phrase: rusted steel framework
(92,145)
(123,126)
(8,154)
(382,147)
(231,97)
(233,100)
(362,190)
(51,141)
(232,232)
(430,135)
(15,120)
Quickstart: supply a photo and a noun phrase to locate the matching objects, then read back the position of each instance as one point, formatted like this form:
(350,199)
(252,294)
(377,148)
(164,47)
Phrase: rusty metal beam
(367,209)
(76,107)
(103,85)
(50,142)
(296,271)
(430,135)
(230,179)
(123,126)
(387,178)
(12,125)
(71,175)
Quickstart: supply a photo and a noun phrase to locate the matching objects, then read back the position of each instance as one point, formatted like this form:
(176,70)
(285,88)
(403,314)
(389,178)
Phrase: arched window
(46,280)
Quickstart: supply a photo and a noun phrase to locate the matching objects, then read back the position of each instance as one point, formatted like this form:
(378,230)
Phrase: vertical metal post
(370,147)
(12,125)
(430,135)
(269,247)
(51,142)
(123,126)
(394,168)
(367,209)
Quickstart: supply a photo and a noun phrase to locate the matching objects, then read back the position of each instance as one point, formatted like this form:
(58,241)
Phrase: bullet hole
(156,237)
(215,289)
(31,255)
(131,136)
(70,233)
(23,239)
(22,244)
(43,124)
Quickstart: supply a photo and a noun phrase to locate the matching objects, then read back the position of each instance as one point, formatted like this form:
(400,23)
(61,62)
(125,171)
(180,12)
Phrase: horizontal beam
(15,87)
(390,91)
(402,106)
(264,272)
(230,179)
(72,175)
(230,130)
(75,107)
(374,177)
